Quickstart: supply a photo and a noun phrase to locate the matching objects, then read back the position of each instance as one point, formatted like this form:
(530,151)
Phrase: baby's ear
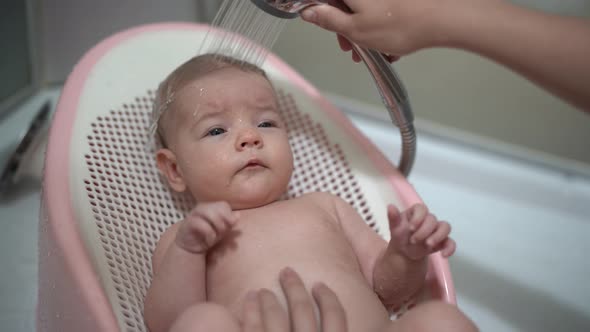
(167,165)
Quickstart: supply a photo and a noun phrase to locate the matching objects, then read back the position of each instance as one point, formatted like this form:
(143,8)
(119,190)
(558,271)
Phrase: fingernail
(286,273)
(318,286)
(309,15)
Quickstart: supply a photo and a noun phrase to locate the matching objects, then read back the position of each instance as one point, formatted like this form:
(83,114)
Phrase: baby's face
(228,141)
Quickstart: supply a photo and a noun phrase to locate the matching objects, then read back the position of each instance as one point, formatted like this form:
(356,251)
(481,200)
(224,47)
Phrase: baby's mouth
(253,164)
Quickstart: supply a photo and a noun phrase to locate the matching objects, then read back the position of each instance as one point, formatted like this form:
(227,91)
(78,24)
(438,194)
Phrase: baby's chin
(252,199)
(246,198)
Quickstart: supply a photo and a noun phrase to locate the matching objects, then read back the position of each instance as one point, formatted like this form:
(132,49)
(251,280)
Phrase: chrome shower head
(285,8)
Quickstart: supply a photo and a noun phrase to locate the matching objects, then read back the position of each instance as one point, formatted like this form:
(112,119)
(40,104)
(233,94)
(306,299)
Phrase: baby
(225,143)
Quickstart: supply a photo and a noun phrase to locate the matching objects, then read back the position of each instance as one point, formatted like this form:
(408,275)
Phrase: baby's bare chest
(306,238)
(279,231)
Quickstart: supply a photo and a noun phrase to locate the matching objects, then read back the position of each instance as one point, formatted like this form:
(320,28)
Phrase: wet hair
(195,68)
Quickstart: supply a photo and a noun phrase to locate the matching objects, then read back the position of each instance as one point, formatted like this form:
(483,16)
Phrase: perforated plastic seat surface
(104,206)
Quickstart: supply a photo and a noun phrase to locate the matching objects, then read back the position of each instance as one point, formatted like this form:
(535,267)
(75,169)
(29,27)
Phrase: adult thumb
(328,17)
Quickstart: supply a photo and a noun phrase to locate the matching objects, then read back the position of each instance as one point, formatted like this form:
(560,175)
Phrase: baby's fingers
(426,228)
(205,233)
(447,247)
(440,234)
(416,216)
(220,216)
(393,215)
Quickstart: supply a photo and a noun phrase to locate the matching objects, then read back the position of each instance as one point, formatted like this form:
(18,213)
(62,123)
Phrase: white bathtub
(522,230)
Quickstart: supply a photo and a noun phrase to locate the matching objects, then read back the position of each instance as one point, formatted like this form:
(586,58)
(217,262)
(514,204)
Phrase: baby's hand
(416,233)
(205,226)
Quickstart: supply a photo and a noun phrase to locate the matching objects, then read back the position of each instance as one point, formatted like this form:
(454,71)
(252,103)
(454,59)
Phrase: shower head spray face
(285,8)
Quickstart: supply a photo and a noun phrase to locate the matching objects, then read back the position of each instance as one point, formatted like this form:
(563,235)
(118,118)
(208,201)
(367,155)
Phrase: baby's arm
(394,273)
(179,263)
(415,234)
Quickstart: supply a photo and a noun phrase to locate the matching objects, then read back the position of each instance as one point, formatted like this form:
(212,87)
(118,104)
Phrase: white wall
(68,28)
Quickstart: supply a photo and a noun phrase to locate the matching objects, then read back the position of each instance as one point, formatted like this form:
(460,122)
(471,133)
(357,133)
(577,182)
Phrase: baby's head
(222,136)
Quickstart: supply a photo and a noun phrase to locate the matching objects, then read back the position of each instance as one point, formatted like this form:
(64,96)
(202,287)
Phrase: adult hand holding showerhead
(390,26)
(555,59)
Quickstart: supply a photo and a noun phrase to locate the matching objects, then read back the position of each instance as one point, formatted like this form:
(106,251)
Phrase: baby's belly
(252,261)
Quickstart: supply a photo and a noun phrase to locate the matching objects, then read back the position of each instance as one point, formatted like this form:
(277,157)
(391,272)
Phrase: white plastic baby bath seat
(104,205)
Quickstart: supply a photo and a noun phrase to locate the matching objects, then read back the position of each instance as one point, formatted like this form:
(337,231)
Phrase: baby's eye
(267,124)
(215,131)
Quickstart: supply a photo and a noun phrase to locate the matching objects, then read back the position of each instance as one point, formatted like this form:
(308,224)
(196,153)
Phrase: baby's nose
(249,139)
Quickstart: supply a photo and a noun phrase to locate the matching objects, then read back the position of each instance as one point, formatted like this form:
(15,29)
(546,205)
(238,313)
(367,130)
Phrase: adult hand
(264,313)
(390,26)
(516,37)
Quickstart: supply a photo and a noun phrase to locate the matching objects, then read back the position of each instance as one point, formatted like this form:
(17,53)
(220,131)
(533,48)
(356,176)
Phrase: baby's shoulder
(322,197)
(164,241)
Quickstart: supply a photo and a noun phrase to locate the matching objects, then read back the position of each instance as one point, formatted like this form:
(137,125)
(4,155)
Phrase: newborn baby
(225,143)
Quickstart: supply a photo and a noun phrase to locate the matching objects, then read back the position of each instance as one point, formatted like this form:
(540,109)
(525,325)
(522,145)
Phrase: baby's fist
(417,233)
(205,226)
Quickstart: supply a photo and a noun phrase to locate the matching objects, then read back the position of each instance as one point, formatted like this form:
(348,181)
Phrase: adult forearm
(551,51)
(178,282)
(397,278)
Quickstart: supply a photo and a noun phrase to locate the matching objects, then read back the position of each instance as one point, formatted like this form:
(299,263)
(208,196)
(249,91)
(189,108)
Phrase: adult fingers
(356,57)
(391,58)
(298,301)
(274,317)
(331,311)
(251,316)
(328,17)
(344,43)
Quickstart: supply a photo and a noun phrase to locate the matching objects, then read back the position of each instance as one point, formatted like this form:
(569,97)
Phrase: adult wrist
(464,23)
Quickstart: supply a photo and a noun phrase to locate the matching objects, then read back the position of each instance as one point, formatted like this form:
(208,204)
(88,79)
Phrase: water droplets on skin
(248,32)
(196,110)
